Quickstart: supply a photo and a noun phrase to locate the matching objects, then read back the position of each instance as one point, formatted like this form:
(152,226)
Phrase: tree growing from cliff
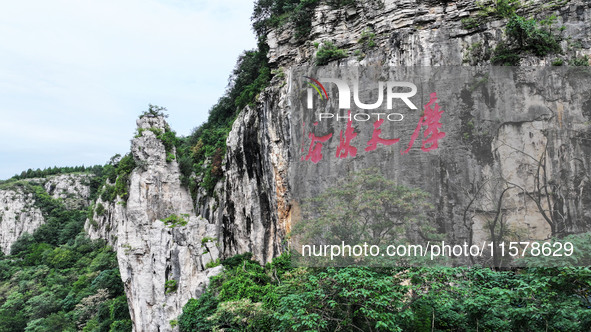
(155,111)
(527,36)
(367,208)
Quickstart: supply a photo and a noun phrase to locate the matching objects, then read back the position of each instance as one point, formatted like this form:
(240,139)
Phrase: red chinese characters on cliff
(430,121)
(345,148)
(372,144)
(315,150)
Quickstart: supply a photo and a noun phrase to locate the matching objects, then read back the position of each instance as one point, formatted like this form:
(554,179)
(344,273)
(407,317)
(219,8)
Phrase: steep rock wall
(73,189)
(162,266)
(18,215)
(423,33)
(255,211)
(257,207)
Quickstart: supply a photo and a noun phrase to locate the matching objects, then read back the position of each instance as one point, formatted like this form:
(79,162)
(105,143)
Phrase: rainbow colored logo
(316,87)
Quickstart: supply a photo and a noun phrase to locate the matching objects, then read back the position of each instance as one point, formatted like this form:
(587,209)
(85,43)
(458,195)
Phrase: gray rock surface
(423,33)
(162,267)
(73,189)
(258,206)
(103,225)
(18,215)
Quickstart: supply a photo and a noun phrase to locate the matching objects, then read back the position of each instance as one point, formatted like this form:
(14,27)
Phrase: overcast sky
(75,74)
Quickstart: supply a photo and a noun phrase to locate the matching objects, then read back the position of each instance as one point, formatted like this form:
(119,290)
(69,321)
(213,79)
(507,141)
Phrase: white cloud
(77,73)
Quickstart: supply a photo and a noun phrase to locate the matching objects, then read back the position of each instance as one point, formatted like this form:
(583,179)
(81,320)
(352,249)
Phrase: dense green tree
(366,207)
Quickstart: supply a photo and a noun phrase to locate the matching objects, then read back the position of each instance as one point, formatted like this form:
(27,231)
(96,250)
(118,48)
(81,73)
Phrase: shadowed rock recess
(164,242)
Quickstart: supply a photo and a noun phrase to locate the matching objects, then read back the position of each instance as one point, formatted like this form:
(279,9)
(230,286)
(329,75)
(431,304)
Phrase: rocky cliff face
(18,215)
(163,263)
(73,189)
(518,160)
(18,212)
(422,32)
(255,210)
(478,155)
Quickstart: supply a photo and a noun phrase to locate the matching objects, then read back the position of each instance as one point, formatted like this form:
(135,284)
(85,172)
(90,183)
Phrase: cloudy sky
(75,74)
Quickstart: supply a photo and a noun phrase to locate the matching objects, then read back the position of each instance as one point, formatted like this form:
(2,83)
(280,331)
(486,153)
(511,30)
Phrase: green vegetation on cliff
(527,36)
(43,173)
(277,14)
(202,152)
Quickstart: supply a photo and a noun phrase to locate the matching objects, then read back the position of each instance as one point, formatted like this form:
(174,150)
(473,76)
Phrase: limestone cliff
(73,189)
(423,32)
(162,263)
(260,177)
(19,213)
